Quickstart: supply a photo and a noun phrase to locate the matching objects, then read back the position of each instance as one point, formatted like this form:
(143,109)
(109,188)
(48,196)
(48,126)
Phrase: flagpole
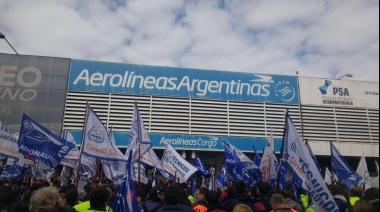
(269,171)
(81,147)
(282,151)
(138,143)
(13,171)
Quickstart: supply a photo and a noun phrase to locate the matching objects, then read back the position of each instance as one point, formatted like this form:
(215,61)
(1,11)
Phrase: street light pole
(2,36)
(346,75)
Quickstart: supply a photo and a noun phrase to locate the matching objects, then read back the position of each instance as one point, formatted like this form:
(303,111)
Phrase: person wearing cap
(155,200)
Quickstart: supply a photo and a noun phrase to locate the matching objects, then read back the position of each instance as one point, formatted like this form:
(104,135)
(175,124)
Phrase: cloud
(316,38)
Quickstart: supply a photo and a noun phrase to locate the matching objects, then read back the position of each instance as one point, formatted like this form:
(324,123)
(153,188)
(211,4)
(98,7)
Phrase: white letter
(82,76)
(3,75)
(96,77)
(37,80)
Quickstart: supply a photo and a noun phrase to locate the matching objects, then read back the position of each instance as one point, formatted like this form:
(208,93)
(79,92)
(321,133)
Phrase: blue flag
(236,168)
(283,184)
(199,165)
(37,142)
(313,156)
(343,170)
(126,200)
(257,159)
(221,179)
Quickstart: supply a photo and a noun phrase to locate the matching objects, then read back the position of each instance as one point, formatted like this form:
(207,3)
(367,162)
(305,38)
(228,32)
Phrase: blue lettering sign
(166,81)
(191,142)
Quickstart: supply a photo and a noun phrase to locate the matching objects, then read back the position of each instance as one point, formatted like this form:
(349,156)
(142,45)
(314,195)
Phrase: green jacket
(353,200)
(85,206)
(311,208)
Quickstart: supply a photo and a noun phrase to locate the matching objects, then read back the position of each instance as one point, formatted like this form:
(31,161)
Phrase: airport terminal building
(194,110)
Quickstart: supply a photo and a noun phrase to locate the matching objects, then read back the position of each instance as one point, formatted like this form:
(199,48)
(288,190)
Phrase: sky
(316,38)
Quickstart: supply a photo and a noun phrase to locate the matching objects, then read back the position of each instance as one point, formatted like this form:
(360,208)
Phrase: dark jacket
(176,208)
(236,199)
(149,205)
(375,204)
(341,202)
(216,208)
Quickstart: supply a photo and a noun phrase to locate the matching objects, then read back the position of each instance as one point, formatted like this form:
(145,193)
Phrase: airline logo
(125,78)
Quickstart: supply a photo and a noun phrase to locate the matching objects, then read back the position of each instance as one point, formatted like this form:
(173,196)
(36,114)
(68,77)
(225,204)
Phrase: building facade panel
(35,86)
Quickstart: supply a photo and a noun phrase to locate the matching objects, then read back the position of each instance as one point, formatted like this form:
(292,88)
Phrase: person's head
(71,197)
(371,194)
(99,198)
(356,192)
(262,188)
(242,208)
(287,193)
(172,195)
(156,193)
(254,191)
(89,187)
(334,189)
(212,197)
(277,201)
(363,206)
(240,187)
(200,193)
(44,200)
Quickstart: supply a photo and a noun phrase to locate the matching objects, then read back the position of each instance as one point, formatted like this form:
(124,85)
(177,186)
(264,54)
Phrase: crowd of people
(169,196)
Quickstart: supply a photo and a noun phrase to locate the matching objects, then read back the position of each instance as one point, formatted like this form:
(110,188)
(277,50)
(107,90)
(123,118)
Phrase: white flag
(248,163)
(174,164)
(41,170)
(328,177)
(139,141)
(97,142)
(114,170)
(362,170)
(268,161)
(8,143)
(74,153)
(152,160)
(302,165)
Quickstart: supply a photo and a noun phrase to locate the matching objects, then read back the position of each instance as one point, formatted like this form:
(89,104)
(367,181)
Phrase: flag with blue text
(126,199)
(236,168)
(20,168)
(199,165)
(176,165)
(8,143)
(302,165)
(221,179)
(38,143)
(343,170)
(97,142)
